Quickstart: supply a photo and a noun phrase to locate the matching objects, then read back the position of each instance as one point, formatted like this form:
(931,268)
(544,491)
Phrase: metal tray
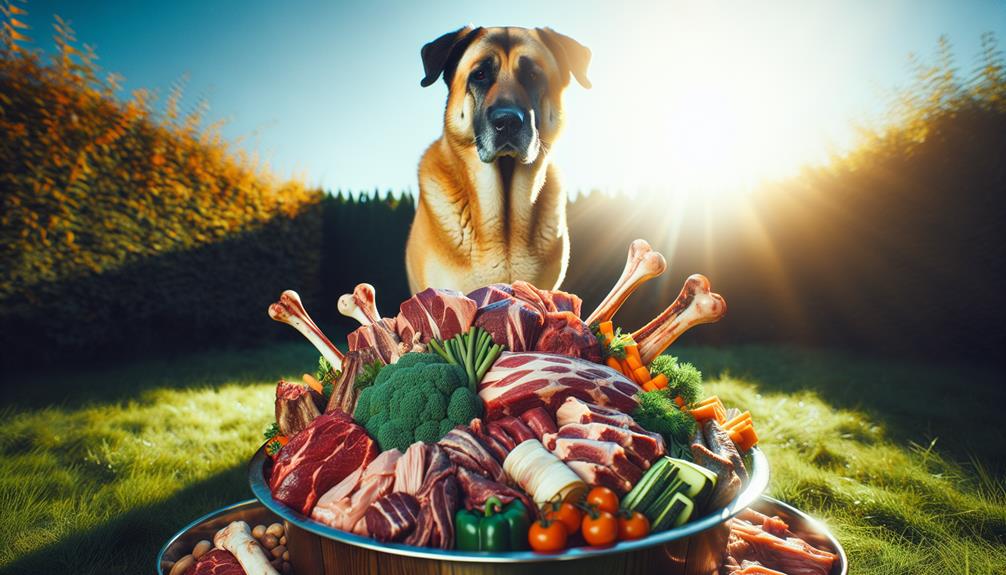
(758,469)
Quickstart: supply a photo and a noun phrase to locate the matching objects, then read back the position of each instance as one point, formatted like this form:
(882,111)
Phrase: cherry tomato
(548,536)
(603,499)
(600,528)
(566,513)
(633,526)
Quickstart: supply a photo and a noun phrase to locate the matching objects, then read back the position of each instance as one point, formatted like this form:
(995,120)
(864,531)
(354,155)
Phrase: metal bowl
(758,469)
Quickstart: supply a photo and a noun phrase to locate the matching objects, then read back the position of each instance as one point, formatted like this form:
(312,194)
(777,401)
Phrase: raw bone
(696,304)
(360,305)
(290,310)
(237,539)
(641,265)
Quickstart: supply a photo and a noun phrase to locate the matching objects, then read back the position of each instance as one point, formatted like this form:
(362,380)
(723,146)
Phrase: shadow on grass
(955,408)
(133,539)
(71,388)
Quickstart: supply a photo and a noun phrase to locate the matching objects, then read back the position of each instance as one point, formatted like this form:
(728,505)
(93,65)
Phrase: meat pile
(712,448)
(216,562)
(764,545)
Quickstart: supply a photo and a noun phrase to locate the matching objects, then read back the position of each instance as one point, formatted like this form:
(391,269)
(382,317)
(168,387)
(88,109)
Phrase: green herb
(474,351)
(271,431)
(616,348)
(273,447)
(658,413)
(327,389)
(682,378)
(325,373)
(368,373)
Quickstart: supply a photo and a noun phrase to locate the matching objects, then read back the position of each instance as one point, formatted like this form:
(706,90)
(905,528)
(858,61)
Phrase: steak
(566,302)
(518,382)
(381,336)
(574,410)
(565,333)
(434,313)
(392,517)
(317,458)
(607,454)
(640,448)
(597,474)
(478,489)
(539,421)
(465,450)
(511,323)
(490,294)
(216,562)
(516,429)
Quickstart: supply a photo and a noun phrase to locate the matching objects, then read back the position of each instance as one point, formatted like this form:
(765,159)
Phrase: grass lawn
(903,461)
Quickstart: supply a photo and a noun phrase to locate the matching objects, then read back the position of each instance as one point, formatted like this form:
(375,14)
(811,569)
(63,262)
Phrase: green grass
(100,466)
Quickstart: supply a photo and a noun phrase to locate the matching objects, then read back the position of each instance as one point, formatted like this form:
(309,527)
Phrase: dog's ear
(442,54)
(572,56)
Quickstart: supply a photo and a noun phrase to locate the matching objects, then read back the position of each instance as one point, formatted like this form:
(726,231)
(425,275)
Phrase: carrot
(648,386)
(641,375)
(606,329)
(633,352)
(748,437)
(680,401)
(704,412)
(738,421)
(633,362)
(614,364)
(660,381)
(625,368)
(313,383)
(710,399)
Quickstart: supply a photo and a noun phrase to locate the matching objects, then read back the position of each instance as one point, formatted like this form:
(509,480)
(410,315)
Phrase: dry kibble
(268,541)
(276,530)
(182,565)
(278,551)
(282,540)
(258,532)
(201,548)
(286,555)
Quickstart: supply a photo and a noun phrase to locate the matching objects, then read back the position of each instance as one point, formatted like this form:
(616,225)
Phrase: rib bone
(237,539)
(360,305)
(290,310)
(641,265)
(695,305)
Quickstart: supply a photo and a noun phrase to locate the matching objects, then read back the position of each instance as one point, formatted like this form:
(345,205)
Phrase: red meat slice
(216,562)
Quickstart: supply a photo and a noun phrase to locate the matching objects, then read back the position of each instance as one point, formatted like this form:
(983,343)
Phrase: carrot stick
(641,375)
(680,401)
(625,368)
(614,364)
(605,328)
(710,399)
(704,412)
(633,362)
(749,437)
(660,381)
(633,352)
(738,421)
(313,383)
(648,386)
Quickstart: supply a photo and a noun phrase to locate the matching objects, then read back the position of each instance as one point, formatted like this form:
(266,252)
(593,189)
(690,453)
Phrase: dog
(491,208)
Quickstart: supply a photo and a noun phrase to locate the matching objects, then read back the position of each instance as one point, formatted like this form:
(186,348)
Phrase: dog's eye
(532,75)
(479,75)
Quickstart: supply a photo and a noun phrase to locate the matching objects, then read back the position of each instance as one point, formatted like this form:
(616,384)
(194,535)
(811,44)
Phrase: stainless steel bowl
(759,472)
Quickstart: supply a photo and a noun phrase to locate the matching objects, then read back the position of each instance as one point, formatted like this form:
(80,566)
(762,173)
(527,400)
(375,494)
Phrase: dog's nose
(506,120)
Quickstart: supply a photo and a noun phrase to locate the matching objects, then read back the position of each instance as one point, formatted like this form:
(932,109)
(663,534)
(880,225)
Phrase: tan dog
(490,206)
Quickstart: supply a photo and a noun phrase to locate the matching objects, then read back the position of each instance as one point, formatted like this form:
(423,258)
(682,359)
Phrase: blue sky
(684,92)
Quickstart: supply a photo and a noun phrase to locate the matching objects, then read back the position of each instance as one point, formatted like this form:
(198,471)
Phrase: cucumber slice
(657,489)
(700,482)
(653,477)
(677,512)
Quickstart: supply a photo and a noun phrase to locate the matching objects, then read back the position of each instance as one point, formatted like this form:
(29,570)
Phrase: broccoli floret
(396,434)
(463,406)
(428,431)
(415,358)
(658,413)
(682,378)
(415,400)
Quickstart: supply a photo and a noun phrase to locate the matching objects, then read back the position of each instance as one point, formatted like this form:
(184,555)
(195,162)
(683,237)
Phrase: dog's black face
(508,108)
(505,87)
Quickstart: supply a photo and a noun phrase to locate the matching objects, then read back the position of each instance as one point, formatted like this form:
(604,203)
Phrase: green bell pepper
(499,528)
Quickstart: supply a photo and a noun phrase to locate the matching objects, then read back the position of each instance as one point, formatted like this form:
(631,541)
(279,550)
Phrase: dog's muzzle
(509,131)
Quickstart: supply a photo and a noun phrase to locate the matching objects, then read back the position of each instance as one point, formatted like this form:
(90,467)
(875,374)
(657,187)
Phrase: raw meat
(511,323)
(540,299)
(237,538)
(518,382)
(719,442)
(752,542)
(434,313)
(392,517)
(498,449)
(411,469)
(516,429)
(344,391)
(381,336)
(438,500)
(500,434)
(345,511)
(216,562)
(490,294)
(319,457)
(597,474)
(607,454)
(477,489)
(465,450)
(564,301)
(574,410)
(565,333)
(539,421)
(295,408)
(728,483)
(640,448)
